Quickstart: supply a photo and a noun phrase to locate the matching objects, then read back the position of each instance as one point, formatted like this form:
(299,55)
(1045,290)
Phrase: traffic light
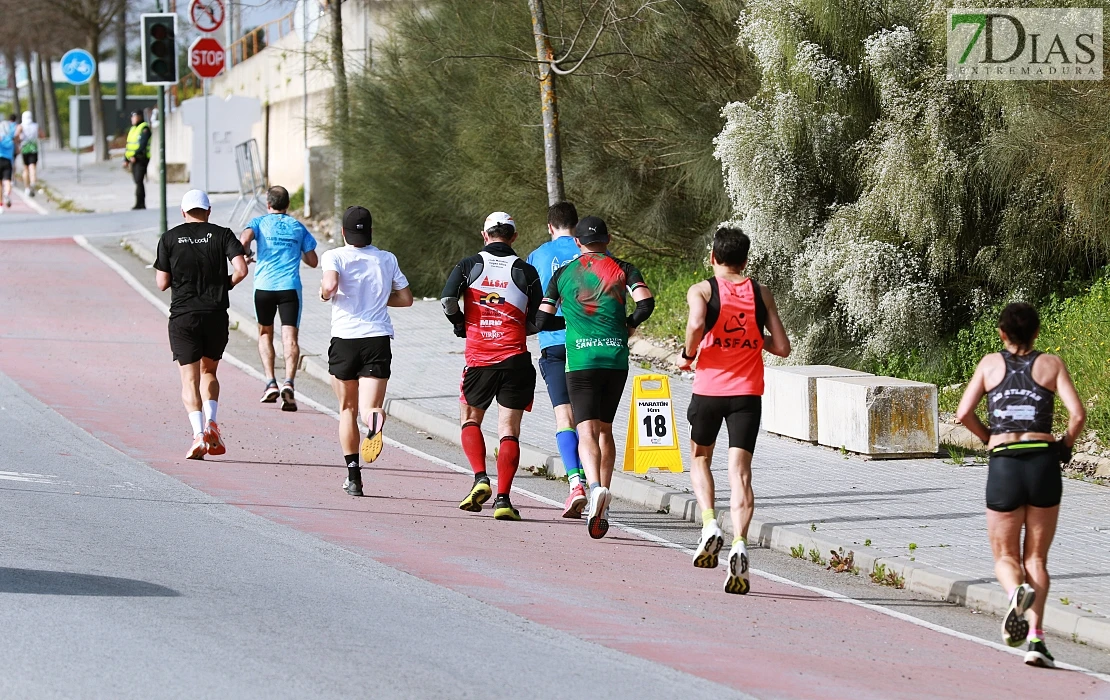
(159,49)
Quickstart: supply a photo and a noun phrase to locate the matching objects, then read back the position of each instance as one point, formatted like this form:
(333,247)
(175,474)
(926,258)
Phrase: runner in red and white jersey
(732,321)
(501,294)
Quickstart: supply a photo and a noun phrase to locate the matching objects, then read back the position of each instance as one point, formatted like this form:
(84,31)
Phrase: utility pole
(549,105)
(163,220)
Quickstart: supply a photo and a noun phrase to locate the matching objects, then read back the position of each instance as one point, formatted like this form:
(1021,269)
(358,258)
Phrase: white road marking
(29,201)
(28,478)
(832,595)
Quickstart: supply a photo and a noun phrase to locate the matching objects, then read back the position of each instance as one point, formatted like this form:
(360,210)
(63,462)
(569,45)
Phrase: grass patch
(66,205)
(296,200)
(669,282)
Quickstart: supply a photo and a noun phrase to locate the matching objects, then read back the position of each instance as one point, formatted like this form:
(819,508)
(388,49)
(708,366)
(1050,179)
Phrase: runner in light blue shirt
(283,242)
(549,257)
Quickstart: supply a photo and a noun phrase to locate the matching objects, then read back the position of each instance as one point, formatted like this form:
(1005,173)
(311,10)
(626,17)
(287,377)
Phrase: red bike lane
(79,339)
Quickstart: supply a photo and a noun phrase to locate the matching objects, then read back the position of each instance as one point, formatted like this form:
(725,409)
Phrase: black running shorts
(595,394)
(5,169)
(30,158)
(740,413)
(1023,476)
(351,358)
(198,334)
(268,304)
(512,383)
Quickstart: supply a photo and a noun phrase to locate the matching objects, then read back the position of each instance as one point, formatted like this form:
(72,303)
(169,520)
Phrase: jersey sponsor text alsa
(501,295)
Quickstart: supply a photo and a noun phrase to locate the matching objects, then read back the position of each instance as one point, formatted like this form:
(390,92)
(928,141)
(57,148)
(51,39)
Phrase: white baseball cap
(195,199)
(498,217)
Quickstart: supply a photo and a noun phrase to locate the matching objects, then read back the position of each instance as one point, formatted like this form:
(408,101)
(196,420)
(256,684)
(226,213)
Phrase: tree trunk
(549,106)
(32,88)
(39,94)
(96,103)
(121,60)
(341,112)
(53,125)
(9,58)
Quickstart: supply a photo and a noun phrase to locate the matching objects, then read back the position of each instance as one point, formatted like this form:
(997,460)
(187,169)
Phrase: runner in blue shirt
(549,257)
(283,242)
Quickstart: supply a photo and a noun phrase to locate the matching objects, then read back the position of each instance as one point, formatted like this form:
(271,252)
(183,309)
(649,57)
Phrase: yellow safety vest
(133,138)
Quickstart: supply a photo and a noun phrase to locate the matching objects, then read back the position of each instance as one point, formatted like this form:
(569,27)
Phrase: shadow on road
(38,582)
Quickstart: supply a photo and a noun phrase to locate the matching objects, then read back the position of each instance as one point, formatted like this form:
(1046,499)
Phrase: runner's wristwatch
(688,357)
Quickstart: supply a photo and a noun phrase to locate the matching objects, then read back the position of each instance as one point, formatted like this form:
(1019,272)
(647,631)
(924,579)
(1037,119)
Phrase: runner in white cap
(192,260)
(29,151)
(501,295)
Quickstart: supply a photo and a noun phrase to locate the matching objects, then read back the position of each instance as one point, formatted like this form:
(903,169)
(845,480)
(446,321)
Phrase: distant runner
(501,294)
(1024,486)
(9,140)
(192,259)
(732,321)
(29,151)
(283,242)
(549,257)
(361,281)
(591,292)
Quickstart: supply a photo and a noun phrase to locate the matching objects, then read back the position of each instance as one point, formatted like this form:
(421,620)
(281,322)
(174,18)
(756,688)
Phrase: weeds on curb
(798,552)
(839,562)
(815,557)
(867,543)
(884,577)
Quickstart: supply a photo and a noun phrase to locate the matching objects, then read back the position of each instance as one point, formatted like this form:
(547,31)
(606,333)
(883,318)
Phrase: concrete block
(877,416)
(790,398)
(1094,630)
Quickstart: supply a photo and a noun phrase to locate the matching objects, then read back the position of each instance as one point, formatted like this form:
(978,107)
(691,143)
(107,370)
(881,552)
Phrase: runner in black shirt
(192,259)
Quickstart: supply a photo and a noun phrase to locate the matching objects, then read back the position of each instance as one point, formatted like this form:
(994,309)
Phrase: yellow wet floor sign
(651,442)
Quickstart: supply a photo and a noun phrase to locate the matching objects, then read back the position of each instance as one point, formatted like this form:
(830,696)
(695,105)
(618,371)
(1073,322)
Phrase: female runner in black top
(1023,477)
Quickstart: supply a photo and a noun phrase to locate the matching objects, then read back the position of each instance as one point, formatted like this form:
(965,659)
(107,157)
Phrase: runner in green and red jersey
(592,291)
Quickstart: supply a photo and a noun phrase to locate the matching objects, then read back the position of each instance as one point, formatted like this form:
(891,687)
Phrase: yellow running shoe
(479,494)
(372,444)
(503,509)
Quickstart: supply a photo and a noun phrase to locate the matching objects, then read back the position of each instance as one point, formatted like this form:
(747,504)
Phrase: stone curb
(932,582)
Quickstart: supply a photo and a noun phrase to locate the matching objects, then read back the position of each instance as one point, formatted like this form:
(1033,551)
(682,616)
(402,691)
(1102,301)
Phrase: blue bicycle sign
(78,66)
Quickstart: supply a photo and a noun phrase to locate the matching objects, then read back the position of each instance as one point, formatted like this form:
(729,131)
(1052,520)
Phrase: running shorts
(351,358)
(5,169)
(595,394)
(740,413)
(198,334)
(512,383)
(553,368)
(30,158)
(268,304)
(1024,474)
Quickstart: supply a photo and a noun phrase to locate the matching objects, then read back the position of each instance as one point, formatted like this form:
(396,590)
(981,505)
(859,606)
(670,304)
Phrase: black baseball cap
(591,230)
(357,226)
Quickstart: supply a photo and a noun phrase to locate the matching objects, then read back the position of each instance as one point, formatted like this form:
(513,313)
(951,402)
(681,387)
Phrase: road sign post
(78,66)
(207,59)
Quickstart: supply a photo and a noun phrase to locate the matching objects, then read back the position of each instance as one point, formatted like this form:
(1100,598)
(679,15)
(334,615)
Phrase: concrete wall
(790,398)
(878,416)
(277,76)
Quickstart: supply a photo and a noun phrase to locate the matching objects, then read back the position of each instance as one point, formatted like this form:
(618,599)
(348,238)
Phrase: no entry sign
(207,57)
(206,15)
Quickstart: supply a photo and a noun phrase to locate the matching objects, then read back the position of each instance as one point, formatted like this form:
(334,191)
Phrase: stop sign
(207,57)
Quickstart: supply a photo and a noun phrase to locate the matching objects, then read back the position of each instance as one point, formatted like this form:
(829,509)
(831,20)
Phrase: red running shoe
(212,437)
(576,503)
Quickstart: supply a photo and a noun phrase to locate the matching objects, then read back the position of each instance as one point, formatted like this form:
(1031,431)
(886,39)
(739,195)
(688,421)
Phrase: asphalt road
(128,572)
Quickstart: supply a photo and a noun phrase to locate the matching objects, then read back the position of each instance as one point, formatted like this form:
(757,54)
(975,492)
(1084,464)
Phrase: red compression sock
(474,445)
(508,459)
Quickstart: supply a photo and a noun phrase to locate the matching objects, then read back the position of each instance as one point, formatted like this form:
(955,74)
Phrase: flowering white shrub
(851,180)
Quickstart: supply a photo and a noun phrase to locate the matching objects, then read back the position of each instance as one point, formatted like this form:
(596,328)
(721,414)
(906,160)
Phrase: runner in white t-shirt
(361,281)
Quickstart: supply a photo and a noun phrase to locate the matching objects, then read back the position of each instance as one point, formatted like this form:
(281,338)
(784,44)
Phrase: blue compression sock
(567,440)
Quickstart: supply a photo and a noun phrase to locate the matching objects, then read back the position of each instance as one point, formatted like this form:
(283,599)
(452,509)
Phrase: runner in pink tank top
(732,321)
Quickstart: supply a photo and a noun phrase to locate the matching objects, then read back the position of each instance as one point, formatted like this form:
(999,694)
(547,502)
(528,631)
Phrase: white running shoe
(737,579)
(712,540)
(1015,628)
(598,521)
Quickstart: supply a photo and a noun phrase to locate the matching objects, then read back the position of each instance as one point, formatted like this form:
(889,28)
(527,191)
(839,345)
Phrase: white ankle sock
(210,410)
(196,419)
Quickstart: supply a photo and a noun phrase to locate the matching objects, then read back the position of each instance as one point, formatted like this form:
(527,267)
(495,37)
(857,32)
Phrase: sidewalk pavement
(923,518)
